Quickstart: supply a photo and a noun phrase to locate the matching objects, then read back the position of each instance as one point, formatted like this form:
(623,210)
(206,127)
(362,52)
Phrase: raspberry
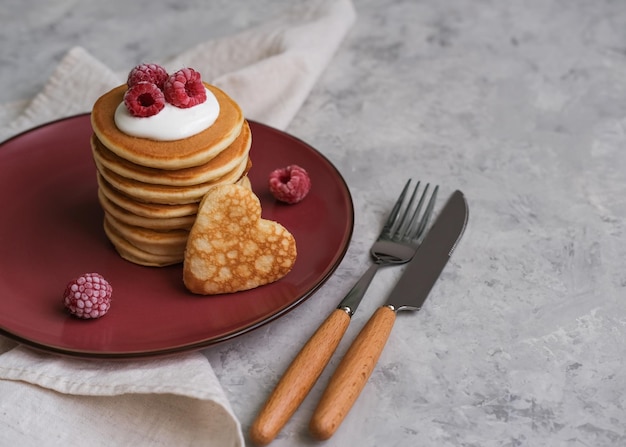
(152,73)
(88,296)
(144,99)
(184,89)
(290,184)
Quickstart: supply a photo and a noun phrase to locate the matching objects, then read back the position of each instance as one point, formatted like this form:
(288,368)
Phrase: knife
(410,292)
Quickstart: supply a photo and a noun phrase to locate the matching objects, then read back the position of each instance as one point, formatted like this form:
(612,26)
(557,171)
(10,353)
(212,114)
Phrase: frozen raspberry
(184,89)
(88,296)
(290,184)
(144,99)
(152,73)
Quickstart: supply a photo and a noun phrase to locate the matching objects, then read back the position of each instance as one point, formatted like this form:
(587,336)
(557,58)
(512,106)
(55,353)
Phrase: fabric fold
(91,397)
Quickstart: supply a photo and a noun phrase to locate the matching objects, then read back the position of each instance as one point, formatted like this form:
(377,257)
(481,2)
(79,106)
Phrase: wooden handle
(299,378)
(352,373)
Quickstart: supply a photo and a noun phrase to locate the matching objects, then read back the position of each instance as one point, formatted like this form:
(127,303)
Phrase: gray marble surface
(522,106)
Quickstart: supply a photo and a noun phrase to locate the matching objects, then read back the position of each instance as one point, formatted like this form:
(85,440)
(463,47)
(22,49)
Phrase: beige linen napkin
(47,399)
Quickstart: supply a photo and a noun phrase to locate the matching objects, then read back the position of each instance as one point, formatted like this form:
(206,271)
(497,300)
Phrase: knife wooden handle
(352,373)
(299,378)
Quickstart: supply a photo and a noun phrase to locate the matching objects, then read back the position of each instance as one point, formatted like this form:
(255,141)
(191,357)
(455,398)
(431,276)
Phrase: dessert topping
(144,99)
(163,107)
(171,123)
(153,73)
(88,296)
(184,88)
(290,184)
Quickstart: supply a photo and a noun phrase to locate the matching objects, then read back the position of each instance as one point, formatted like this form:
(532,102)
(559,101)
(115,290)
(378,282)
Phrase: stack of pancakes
(150,190)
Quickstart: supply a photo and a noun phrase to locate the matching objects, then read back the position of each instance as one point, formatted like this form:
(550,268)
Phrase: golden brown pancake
(135,255)
(245,182)
(153,223)
(231,248)
(145,209)
(184,153)
(167,194)
(167,243)
(147,246)
(220,165)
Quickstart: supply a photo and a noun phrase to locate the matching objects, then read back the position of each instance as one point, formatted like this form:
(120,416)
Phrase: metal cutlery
(397,243)
(409,293)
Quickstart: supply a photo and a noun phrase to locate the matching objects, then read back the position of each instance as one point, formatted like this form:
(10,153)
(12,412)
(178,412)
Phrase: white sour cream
(171,123)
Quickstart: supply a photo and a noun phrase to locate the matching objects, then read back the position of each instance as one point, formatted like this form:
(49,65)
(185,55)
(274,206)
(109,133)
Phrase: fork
(396,244)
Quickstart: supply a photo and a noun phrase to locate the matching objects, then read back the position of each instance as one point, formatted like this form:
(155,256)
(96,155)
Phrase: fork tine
(405,224)
(400,225)
(418,234)
(393,216)
(413,222)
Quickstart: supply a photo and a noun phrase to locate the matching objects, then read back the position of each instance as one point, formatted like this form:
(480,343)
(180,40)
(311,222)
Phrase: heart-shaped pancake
(231,248)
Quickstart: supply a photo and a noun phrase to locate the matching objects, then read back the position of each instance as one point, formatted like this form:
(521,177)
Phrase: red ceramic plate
(51,231)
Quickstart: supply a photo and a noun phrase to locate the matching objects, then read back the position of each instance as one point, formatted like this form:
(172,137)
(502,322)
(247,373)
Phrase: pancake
(166,194)
(152,210)
(166,243)
(135,255)
(178,154)
(231,248)
(245,182)
(146,246)
(125,216)
(220,165)
(145,209)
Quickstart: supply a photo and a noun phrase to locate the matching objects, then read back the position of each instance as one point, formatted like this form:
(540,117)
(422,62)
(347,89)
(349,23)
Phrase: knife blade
(409,293)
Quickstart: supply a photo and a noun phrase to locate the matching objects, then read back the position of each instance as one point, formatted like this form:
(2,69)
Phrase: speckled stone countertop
(519,104)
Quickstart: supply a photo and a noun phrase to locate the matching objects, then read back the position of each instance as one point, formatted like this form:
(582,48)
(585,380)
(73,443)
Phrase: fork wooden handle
(299,378)
(352,374)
